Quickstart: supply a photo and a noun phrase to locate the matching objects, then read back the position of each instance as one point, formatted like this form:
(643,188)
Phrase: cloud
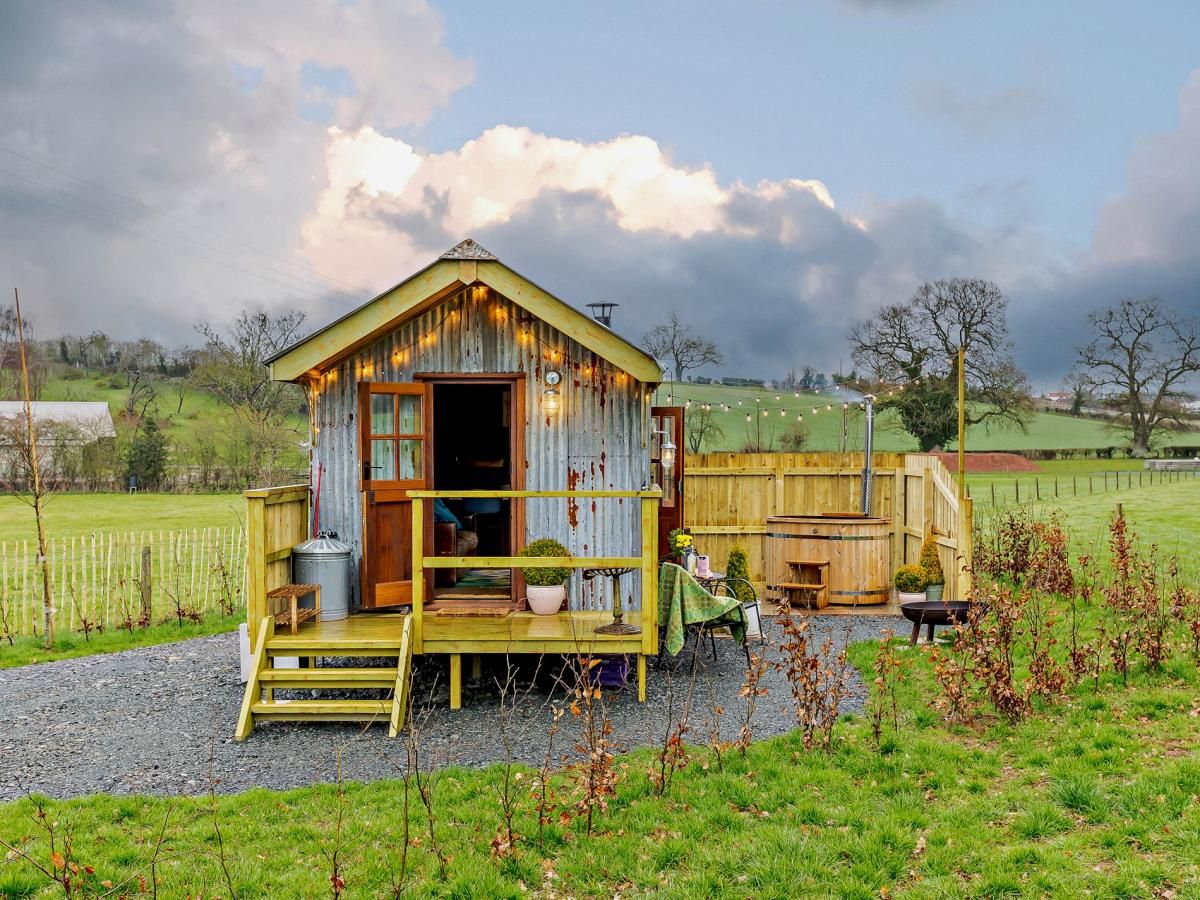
(197,112)
(982,112)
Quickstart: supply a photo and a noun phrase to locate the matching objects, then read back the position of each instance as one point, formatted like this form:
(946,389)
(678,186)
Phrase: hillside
(1046,431)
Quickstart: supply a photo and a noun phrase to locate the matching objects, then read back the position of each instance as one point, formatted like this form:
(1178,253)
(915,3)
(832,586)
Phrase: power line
(182,221)
(147,237)
(181,237)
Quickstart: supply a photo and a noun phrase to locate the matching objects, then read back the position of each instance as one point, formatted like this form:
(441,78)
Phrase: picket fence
(104,579)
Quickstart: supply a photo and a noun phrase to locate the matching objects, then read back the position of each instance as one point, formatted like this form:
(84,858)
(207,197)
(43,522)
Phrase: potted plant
(911,582)
(546,587)
(933,570)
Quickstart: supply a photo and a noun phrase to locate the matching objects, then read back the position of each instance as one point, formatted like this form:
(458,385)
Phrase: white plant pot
(905,597)
(546,600)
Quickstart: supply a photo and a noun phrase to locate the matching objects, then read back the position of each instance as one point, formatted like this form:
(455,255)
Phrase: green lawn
(69,515)
(1047,431)
(28,650)
(1096,795)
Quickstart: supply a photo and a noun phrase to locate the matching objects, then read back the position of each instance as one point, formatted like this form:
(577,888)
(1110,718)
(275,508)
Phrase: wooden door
(395,453)
(670,514)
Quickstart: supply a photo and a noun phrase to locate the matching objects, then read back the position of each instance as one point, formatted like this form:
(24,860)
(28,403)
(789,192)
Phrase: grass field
(1047,431)
(68,515)
(27,650)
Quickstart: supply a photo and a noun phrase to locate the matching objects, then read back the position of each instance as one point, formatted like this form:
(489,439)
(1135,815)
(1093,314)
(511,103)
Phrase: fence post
(147,612)
(1017,486)
(966,547)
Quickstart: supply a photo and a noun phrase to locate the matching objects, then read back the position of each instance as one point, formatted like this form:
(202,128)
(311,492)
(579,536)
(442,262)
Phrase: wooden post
(455,677)
(256,565)
(649,552)
(899,511)
(927,501)
(966,547)
(1017,487)
(993,495)
(147,611)
(418,581)
(1037,487)
(962,423)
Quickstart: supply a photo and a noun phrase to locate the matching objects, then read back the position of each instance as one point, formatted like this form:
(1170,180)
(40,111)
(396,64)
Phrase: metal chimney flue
(602,312)
(868,474)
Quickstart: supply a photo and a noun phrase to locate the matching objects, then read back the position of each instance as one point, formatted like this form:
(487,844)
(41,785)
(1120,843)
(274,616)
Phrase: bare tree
(675,342)
(25,474)
(920,340)
(701,427)
(233,365)
(1144,351)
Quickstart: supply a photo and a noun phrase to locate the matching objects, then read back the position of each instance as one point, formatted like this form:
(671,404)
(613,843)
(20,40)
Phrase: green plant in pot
(911,582)
(546,586)
(933,570)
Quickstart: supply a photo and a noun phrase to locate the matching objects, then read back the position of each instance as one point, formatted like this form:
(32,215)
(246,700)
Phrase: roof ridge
(467,249)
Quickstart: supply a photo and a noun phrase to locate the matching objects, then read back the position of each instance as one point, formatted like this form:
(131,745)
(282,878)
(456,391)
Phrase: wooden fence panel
(728,497)
(276,521)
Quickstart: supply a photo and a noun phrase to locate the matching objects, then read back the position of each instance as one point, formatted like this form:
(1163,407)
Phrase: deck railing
(276,521)
(646,562)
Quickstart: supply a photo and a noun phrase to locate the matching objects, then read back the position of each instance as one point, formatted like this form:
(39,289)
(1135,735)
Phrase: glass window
(383,460)
(410,460)
(383,414)
(410,414)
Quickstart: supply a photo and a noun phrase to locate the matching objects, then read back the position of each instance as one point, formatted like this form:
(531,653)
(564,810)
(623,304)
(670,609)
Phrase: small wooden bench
(294,614)
(810,579)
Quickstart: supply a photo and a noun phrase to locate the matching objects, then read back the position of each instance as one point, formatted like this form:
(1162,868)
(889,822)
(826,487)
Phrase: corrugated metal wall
(598,440)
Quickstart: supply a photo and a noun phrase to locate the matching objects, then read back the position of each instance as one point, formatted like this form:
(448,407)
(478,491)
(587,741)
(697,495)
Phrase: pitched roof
(464,264)
(92,417)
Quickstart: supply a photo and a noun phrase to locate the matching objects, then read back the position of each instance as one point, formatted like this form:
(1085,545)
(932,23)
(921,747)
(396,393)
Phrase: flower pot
(546,600)
(906,597)
(934,591)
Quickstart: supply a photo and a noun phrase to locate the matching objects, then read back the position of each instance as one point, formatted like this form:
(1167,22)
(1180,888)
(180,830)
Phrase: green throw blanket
(682,601)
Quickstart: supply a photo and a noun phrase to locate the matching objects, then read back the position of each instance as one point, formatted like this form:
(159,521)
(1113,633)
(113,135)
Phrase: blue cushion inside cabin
(443,514)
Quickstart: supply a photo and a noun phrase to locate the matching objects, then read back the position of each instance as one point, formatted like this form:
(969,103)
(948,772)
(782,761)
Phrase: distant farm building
(75,440)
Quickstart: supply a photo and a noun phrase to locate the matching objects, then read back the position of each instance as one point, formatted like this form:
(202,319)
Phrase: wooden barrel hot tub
(852,551)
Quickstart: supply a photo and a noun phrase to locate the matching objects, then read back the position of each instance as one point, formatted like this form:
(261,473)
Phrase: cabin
(454,419)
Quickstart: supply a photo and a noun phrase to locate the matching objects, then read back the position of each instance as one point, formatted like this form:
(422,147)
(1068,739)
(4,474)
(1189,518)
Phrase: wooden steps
(809,584)
(394,638)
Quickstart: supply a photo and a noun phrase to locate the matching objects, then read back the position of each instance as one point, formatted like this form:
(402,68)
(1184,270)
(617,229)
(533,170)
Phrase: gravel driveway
(156,719)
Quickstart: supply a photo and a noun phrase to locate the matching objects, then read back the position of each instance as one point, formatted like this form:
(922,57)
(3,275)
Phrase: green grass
(1047,431)
(70,515)
(1092,797)
(27,650)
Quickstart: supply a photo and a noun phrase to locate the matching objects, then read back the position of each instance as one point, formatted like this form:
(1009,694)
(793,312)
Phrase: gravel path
(155,719)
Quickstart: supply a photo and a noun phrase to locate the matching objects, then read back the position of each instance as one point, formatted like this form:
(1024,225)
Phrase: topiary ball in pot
(545,586)
(932,565)
(911,582)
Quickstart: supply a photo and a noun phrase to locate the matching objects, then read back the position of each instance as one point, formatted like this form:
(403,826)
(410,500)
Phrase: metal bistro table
(715,581)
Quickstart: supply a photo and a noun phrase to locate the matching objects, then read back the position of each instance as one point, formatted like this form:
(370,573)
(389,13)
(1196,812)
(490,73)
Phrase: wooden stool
(295,614)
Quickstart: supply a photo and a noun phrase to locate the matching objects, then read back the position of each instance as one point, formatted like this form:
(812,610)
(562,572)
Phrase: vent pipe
(868,474)
(602,312)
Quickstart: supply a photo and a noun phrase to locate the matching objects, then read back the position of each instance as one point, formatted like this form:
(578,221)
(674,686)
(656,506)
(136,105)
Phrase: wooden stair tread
(334,675)
(305,644)
(807,562)
(793,586)
(329,709)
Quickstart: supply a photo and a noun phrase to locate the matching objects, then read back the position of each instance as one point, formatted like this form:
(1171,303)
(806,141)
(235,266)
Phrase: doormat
(474,609)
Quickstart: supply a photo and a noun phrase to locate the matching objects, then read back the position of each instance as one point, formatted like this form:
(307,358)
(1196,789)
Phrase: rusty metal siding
(598,440)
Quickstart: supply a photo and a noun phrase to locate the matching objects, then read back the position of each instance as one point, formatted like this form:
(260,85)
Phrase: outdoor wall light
(550,396)
(666,451)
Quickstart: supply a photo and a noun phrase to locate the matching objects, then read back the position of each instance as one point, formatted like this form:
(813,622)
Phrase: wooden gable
(464,265)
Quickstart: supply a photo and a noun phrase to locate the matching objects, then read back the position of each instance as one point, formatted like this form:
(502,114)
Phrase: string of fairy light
(785,412)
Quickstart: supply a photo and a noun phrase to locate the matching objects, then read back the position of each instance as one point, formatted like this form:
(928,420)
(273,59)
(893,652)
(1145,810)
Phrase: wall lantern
(666,451)
(550,396)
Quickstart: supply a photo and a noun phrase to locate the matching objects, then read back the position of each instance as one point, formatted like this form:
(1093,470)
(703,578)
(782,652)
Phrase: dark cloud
(980,111)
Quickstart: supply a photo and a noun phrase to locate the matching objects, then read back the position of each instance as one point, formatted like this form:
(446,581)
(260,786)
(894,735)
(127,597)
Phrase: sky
(773,172)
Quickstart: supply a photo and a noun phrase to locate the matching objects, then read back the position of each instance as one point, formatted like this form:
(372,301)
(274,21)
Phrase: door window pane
(383,415)
(410,414)
(383,460)
(410,460)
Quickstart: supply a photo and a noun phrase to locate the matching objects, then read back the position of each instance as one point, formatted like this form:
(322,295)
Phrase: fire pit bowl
(934,612)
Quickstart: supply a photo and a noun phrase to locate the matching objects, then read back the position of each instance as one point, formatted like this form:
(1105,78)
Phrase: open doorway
(475,447)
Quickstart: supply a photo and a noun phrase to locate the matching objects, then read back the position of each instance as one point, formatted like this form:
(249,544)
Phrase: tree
(674,342)
(1144,351)
(701,428)
(1080,384)
(916,344)
(147,459)
(233,365)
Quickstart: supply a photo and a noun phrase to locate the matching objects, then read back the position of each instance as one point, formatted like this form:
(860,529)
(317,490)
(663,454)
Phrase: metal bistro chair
(724,589)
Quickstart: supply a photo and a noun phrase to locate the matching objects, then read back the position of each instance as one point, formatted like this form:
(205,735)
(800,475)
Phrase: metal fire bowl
(936,612)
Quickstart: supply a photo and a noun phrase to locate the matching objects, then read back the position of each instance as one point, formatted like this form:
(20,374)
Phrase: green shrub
(911,579)
(545,577)
(737,565)
(930,563)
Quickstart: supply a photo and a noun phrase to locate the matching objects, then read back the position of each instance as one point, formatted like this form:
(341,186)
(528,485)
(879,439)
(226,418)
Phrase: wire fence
(122,579)
(1025,490)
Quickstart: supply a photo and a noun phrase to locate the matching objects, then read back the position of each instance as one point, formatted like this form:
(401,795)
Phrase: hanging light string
(881,395)
(594,367)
